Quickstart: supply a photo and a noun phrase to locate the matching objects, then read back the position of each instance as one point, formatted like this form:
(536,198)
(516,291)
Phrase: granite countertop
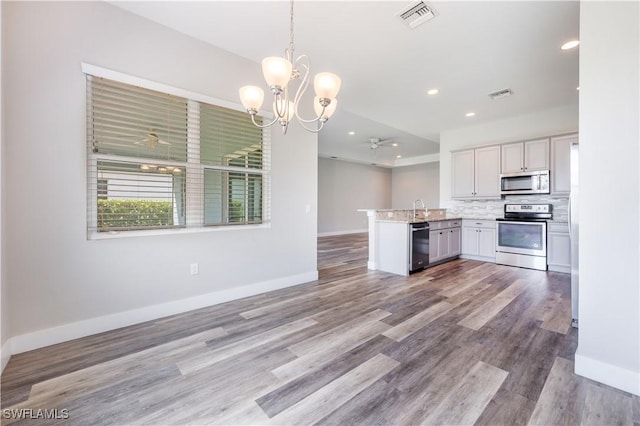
(433,215)
(439,218)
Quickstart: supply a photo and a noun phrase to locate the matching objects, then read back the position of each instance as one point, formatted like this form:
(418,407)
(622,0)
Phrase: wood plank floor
(464,342)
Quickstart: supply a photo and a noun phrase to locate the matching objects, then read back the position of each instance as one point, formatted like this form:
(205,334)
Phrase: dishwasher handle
(426,228)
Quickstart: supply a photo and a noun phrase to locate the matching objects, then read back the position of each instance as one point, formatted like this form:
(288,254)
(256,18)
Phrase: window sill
(152,232)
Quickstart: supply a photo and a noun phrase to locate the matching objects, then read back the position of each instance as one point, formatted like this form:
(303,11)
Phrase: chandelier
(280,74)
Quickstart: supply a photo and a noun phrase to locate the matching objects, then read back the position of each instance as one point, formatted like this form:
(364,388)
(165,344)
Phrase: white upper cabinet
(462,178)
(475,173)
(487,172)
(512,157)
(526,156)
(536,155)
(561,164)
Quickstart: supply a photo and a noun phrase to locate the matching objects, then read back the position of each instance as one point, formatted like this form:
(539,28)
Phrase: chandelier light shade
(283,73)
(324,111)
(327,85)
(252,97)
(276,71)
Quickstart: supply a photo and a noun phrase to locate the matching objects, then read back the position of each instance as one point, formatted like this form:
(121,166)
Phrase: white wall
(4,305)
(345,187)
(525,127)
(55,276)
(420,181)
(609,302)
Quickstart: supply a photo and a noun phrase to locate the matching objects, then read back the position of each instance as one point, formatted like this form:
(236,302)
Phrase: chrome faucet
(415,215)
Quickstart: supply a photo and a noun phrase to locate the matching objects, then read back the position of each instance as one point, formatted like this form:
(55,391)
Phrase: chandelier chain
(291,45)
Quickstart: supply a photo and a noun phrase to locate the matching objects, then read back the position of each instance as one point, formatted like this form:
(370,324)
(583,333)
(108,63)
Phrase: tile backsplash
(492,209)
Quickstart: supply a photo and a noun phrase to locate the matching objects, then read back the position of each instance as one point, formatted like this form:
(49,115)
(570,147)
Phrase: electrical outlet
(194,269)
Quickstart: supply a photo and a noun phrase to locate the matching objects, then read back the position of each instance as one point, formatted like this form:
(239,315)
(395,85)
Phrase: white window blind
(156,160)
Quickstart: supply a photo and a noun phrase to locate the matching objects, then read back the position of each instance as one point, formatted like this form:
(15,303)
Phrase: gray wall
(420,181)
(345,187)
(54,275)
(609,333)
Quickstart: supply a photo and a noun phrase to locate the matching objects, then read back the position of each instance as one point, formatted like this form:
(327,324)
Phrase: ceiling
(467,51)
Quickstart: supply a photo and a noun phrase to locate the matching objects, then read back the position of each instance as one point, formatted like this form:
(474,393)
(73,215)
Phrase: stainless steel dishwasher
(419,246)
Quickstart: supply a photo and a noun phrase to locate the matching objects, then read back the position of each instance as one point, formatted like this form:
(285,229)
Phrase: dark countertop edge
(559,221)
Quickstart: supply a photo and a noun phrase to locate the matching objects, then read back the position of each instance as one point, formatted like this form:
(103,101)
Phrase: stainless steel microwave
(525,183)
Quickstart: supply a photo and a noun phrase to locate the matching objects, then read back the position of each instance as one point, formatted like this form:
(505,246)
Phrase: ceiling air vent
(416,14)
(501,94)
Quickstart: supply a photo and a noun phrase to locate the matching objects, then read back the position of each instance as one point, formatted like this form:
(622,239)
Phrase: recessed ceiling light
(470,114)
(352,133)
(398,156)
(578,88)
(570,44)
(394,144)
(432,91)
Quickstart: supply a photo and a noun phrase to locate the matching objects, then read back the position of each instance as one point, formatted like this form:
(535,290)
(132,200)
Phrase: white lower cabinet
(455,242)
(434,245)
(479,240)
(444,240)
(558,247)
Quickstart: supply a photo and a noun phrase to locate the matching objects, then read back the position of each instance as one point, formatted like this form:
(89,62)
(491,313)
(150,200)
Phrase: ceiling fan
(375,143)
(152,139)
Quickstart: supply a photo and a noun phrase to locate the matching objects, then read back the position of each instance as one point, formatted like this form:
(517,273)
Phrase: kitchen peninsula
(391,232)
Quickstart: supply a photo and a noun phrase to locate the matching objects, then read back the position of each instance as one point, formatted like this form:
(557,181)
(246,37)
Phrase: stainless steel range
(522,235)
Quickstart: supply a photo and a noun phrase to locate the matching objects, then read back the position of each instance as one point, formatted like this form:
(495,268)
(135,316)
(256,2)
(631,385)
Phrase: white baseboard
(351,231)
(612,375)
(5,354)
(63,333)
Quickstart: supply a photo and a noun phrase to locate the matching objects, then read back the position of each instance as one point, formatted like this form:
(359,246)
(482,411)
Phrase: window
(232,162)
(161,161)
